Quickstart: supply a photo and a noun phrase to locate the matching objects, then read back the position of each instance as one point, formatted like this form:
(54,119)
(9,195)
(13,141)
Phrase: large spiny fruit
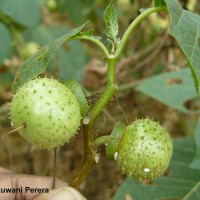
(48,111)
(145,150)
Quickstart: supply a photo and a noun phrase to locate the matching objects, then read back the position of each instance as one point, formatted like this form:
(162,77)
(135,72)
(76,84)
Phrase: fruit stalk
(103,140)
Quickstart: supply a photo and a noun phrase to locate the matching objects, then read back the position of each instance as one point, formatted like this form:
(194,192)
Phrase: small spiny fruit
(144,150)
(48,111)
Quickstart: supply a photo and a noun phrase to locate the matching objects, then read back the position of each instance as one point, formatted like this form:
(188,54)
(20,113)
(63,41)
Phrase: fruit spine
(48,110)
(144,150)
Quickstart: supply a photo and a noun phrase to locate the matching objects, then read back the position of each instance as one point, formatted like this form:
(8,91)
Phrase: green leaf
(70,59)
(88,33)
(110,18)
(78,91)
(159,3)
(182,182)
(24,12)
(196,162)
(172,89)
(185,28)
(5,41)
(38,63)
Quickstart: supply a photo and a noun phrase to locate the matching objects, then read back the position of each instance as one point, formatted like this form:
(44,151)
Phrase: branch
(94,40)
(88,132)
(133,25)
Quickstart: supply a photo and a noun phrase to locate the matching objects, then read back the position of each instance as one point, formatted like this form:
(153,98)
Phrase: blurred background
(26,26)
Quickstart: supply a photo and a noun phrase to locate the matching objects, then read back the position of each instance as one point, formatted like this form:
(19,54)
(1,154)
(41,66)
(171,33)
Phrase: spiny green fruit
(48,110)
(144,150)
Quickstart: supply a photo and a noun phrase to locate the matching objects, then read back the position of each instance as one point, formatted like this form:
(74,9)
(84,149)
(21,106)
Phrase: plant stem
(54,167)
(102,140)
(110,90)
(133,25)
(90,145)
(88,132)
(94,40)
(89,156)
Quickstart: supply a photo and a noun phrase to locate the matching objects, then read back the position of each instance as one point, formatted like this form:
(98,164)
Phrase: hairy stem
(133,25)
(110,90)
(88,132)
(89,156)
